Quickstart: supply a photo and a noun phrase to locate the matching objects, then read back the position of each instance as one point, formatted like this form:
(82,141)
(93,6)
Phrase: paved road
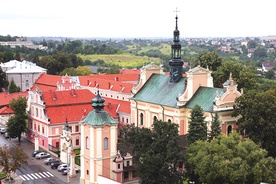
(36,171)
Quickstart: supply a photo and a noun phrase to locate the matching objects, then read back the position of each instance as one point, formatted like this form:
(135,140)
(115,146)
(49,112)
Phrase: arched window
(87,142)
(169,121)
(141,119)
(27,83)
(105,143)
(229,129)
(154,118)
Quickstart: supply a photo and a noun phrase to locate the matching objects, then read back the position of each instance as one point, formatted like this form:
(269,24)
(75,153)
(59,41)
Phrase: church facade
(171,97)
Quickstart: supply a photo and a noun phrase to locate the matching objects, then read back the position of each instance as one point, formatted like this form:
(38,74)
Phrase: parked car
(65,171)
(36,152)
(6,135)
(62,166)
(2,130)
(42,155)
(55,165)
(50,160)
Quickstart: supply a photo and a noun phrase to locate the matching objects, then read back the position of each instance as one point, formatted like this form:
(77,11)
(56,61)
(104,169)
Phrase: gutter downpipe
(137,115)
(162,112)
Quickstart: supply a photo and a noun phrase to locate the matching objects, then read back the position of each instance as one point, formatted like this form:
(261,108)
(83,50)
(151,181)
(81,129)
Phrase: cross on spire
(176,11)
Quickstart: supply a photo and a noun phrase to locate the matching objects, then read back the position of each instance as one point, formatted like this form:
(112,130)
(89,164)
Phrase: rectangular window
(87,142)
(119,166)
(43,130)
(77,128)
(36,112)
(105,143)
(77,142)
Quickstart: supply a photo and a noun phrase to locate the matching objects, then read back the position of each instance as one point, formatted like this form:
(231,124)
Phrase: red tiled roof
(102,83)
(46,82)
(5,97)
(73,113)
(63,104)
(6,110)
(130,71)
(54,98)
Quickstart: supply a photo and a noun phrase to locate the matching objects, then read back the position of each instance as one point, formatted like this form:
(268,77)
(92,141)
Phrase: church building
(171,97)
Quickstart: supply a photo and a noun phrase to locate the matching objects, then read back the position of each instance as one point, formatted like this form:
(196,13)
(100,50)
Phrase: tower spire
(176,63)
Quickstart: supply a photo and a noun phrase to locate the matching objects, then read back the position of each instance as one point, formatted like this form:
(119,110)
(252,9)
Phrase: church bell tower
(176,63)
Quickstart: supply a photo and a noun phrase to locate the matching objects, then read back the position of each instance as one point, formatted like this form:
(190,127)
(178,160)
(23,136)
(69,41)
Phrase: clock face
(174,74)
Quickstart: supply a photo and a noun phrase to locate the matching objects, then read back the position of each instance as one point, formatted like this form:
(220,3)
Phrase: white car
(42,155)
(2,130)
(62,167)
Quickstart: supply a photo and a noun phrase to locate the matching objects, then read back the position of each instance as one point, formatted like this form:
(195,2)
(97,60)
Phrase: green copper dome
(98,116)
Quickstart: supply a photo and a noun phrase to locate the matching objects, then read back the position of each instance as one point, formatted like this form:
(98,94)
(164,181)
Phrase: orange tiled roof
(130,71)
(63,104)
(46,82)
(6,110)
(55,98)
(5,97)
(106,84)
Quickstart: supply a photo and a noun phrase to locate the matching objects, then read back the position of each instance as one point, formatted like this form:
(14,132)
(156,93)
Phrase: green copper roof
(100,118)
(204,97)
(159,90)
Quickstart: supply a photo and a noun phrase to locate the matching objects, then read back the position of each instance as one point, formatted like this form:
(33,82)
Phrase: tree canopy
(16,125)
(230,159)
(256,110)
(13,87)
(12,158)
(245,76)
(209,60)
(215,128)
(156,152)
(4,83)
(197,126)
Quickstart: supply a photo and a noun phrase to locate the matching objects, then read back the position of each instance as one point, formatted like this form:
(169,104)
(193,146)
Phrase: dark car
(6,135)
(50,160)
(55,165)
(36,152)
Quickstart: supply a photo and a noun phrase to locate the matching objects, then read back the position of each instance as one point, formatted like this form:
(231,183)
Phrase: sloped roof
(106,84)
(5,97)
(54,98)
(73,113)
(204,97)
(99,119)
(76,104)
(6,110)
(159,90)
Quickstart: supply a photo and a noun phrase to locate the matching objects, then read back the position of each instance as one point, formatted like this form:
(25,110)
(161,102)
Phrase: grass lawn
(122,60)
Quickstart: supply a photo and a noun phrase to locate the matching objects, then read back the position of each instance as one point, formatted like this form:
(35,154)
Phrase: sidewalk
(28,147)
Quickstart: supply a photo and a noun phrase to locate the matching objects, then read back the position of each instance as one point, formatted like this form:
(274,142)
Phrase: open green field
(122,60)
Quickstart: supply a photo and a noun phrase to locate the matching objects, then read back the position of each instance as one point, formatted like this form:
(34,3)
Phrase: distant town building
(23,42)
(24,73)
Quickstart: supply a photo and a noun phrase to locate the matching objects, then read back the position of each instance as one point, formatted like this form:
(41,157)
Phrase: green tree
(156,152)
(13,87)
(84,70)
(270,74)
(208,59)
(251,44)
(4,83)
(16,125)
(215,128)
(245,76)
(230,159)
(12,159)
(257,118)
(197,126)
(8,56)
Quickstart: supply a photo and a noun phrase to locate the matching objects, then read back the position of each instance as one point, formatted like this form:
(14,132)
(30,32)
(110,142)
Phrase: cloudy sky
(137,18)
